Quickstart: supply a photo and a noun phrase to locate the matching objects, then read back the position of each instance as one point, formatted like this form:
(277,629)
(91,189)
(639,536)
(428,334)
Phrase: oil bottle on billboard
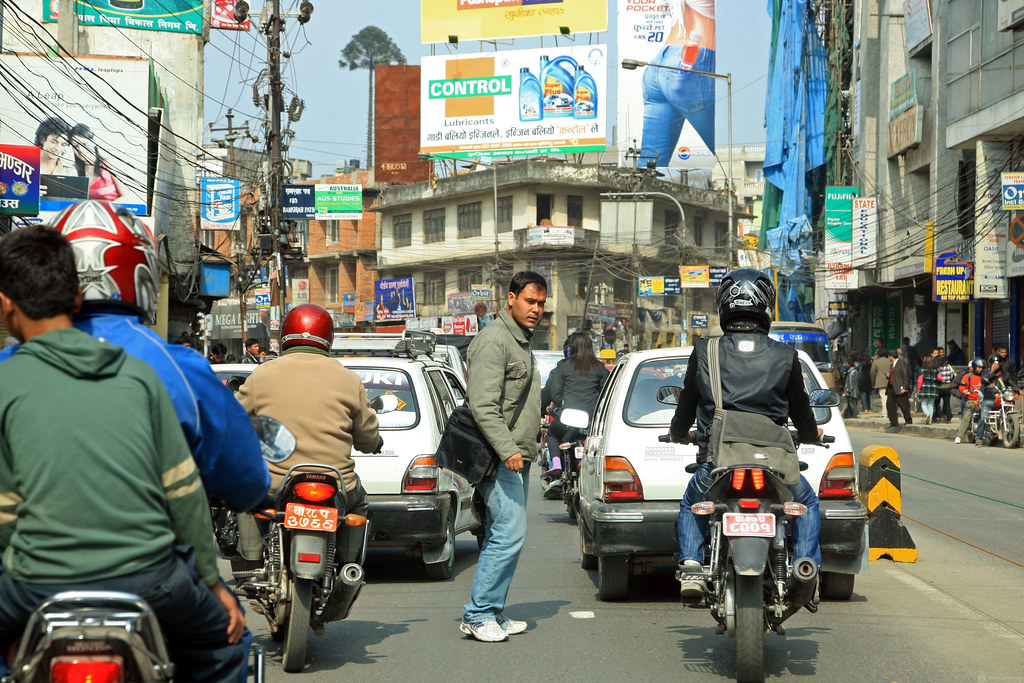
(530,96)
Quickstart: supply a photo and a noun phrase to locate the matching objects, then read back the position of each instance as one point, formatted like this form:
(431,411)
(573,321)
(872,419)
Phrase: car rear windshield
(642,406)
(379,381)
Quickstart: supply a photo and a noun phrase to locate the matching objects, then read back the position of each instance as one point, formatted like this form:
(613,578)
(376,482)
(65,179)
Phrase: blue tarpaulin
(795,122)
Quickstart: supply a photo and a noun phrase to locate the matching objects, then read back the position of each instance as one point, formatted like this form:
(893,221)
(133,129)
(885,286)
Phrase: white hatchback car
(631,485)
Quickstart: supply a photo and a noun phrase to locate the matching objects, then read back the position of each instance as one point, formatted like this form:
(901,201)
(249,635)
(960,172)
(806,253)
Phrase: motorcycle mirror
(384,403)
(669,394)
(571,417)
(277,442)
(824,398)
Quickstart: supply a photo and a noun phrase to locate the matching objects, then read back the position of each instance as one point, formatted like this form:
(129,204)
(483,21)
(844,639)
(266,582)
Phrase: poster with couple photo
(90,121)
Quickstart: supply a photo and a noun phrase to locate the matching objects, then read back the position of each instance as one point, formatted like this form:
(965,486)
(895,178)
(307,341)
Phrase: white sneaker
(956,440)
(486,631)
(510,626)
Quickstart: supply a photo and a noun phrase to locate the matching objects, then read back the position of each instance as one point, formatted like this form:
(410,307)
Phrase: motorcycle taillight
(314,491)
(87,669)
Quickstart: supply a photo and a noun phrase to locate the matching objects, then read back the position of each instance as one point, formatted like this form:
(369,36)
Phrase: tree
(368,48)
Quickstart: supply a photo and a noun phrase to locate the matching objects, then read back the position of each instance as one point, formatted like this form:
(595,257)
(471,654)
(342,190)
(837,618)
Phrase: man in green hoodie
(97,484)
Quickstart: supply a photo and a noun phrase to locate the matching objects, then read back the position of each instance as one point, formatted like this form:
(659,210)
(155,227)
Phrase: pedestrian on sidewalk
(880,373)
(945,385)
(927,390)
(969,389)
(897,390)
(864,386)
(956,354)
(848,403)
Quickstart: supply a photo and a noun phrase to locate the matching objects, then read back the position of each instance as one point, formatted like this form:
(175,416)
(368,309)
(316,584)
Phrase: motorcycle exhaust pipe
(802,581)
(345,592)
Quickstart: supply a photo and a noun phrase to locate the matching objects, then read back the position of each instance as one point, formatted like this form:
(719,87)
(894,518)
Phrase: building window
(698,231)
(402,230)
(505,214)
(469,277)
(469,220)
(300,233)
(333,232)
(721,234)
(433,288)
(210,239)
(574,210)
(545,205)
(433,226)
(332,284)
(673,225)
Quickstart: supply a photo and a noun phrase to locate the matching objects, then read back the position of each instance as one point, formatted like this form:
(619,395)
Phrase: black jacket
(990,382)
(759,375)
(577,390)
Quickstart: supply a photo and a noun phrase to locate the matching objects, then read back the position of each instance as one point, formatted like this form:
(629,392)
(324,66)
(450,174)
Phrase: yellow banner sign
(441,20)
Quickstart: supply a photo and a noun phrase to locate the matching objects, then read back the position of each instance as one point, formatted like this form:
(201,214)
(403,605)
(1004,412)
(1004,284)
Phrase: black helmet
(746,299)
(995,358)
(977,363)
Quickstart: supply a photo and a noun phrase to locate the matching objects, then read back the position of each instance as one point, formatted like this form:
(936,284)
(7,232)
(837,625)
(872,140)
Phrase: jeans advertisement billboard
(666,106)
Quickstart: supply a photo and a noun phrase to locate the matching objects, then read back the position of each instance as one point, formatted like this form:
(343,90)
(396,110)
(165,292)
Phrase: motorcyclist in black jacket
(759,375)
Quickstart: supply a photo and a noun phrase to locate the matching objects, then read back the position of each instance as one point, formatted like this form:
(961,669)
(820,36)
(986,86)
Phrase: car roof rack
(408,344)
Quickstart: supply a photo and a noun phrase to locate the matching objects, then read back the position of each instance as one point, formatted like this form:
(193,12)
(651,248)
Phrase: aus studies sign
(1013,191)
(954,279)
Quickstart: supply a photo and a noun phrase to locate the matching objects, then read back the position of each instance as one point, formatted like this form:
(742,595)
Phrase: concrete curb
(935,431)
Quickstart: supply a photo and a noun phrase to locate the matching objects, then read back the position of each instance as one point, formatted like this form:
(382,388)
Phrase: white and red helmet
(115,255)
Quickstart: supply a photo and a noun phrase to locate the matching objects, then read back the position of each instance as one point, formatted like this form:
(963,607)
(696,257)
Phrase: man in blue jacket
(116,259)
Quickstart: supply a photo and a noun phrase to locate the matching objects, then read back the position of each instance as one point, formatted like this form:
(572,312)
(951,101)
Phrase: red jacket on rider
(969,386)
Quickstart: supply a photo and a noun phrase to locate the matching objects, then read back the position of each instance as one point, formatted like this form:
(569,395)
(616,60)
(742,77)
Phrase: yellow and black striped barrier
(880,493)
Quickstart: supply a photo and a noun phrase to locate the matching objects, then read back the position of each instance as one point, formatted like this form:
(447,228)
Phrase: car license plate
(738,524)
(310,517)
(579,452)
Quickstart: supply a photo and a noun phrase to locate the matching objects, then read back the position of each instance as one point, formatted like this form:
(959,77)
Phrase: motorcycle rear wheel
(297,635)
(1011,432)
(749,630)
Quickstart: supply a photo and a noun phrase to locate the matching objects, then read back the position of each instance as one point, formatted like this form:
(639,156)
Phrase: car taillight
(314,491)
(95,669)
(840,478)
(421,476)
(620,481)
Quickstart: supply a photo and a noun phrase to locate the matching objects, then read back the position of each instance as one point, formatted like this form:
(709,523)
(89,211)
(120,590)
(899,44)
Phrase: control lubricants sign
(514,103)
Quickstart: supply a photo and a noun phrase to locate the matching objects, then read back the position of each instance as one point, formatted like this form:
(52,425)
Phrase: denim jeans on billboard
(673,97)
(693,529)
(505,532)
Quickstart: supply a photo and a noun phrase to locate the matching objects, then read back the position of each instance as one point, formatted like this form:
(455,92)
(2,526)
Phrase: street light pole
(632,64)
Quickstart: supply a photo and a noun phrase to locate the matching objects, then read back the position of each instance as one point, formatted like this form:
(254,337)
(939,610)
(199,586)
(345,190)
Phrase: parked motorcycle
(572,455)
(313,554)
(1003,422)
(754,584)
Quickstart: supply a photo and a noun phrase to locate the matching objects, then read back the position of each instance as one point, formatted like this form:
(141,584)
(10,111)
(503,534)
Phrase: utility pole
(277,287)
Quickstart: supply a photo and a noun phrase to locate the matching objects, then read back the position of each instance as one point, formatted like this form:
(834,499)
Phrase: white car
(631,485)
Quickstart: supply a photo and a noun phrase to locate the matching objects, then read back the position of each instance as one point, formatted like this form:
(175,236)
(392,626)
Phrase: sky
(333,125)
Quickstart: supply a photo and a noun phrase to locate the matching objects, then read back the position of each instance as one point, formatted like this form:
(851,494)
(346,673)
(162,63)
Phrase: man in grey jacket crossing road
(502,375)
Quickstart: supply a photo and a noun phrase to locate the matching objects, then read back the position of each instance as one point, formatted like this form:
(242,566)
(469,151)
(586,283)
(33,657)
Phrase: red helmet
(115,255)
(307,325)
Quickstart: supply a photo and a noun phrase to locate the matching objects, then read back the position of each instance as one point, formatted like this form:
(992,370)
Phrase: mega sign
(488,19)
(518,102)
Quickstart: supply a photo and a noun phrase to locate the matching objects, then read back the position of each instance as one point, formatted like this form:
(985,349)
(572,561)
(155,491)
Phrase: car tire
(442,571)
(587,561)
(613,577)
(836,586)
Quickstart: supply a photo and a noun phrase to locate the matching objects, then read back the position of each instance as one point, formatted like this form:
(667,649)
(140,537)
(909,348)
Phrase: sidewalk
(877,421)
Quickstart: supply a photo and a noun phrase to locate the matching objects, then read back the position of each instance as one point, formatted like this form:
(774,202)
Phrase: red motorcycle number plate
(310,517)
(737,524)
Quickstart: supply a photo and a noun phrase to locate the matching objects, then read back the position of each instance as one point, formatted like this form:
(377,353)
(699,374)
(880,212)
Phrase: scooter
(572,449)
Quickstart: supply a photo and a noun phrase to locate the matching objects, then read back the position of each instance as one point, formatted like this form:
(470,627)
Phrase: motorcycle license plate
(579,452)
(310,518)
(738,524)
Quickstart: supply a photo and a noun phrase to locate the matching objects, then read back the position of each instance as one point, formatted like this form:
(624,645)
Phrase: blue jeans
(673,97)
(865,400)
(693,529)
(504,535)
(193,620)
(987,406)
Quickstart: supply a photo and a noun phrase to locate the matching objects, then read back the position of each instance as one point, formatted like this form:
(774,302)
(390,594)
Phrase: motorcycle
(313,553)
(572,455)
(107,636)
(1003,424)
(754,584)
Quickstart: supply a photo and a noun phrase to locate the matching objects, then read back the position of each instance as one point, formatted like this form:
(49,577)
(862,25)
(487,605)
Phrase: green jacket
(499,362)
(96,479)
